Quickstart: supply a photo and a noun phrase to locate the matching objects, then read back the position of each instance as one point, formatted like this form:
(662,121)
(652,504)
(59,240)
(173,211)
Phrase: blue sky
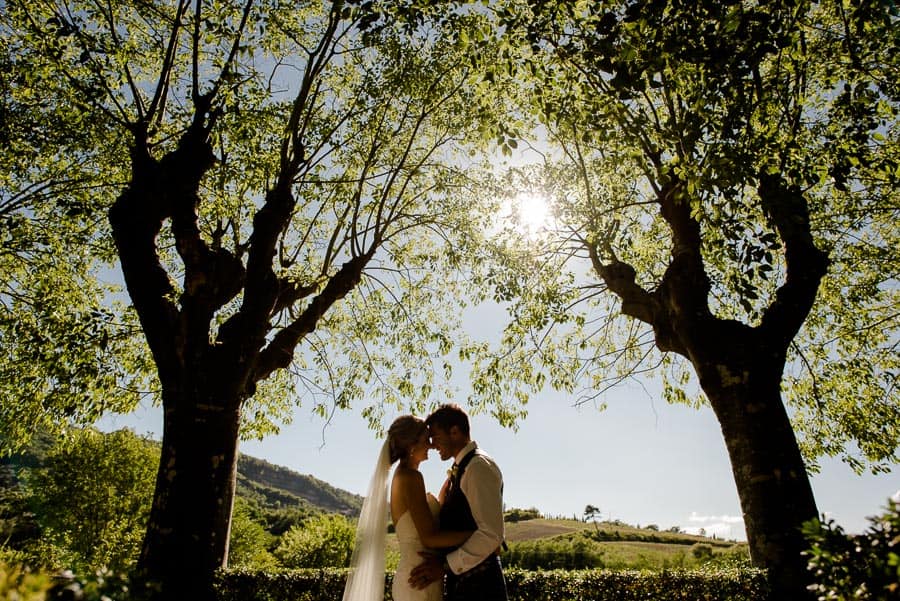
(640,460)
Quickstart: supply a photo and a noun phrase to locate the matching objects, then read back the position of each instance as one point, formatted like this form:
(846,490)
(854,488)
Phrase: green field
(616,545)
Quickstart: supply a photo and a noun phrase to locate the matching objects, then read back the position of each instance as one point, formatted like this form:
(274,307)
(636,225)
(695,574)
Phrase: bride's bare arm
(417,503)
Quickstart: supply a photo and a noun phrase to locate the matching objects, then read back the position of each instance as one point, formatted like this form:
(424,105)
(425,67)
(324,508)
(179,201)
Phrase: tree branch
(280,351)
(806,265)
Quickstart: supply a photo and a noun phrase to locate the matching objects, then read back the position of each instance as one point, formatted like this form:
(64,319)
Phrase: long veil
(365,582)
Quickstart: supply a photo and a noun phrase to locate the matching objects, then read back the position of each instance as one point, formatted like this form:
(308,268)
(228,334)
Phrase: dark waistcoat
(456,513)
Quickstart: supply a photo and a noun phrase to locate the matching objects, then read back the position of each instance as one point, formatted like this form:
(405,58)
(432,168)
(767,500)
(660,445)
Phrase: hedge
(523,585)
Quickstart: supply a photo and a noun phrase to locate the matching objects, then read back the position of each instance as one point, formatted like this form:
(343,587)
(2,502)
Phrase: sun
(531,212)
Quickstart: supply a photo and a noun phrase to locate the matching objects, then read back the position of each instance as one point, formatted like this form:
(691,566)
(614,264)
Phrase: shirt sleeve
(482,483)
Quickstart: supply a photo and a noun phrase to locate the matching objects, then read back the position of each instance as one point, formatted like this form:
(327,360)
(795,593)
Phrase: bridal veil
(365,582)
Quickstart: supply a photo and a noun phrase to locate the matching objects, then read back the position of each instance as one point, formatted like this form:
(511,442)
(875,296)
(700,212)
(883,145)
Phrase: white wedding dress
(410,545)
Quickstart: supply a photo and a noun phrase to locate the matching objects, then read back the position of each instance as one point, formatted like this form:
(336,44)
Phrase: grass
(632,547)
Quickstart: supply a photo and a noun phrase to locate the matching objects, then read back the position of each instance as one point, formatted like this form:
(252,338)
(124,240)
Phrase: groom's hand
(430,570)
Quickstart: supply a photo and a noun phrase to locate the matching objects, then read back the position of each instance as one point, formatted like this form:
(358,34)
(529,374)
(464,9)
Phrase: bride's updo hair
(403,434)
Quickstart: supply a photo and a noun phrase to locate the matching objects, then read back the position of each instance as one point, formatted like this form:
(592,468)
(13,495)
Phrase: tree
(67,357)
(92,497)
(284,199)
(592,513)
(250,542)
(724,182)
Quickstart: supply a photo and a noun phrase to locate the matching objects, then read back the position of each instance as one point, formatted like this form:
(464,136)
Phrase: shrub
(323,541)
(249,542)
(570,554)
(521,515)
(284,585)
(92,498)
(862,567)
(523,585)
(18,582)
(702,551)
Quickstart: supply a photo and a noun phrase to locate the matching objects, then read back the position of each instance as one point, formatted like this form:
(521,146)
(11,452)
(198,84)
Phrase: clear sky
(640,460)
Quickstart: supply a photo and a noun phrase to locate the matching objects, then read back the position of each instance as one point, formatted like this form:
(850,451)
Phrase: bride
(414,515)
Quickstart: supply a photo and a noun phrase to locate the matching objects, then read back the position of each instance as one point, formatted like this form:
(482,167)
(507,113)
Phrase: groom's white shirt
(482,484)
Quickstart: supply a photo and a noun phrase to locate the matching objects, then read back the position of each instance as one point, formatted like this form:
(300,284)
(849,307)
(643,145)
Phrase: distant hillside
(269,486)
(603,532)
(571,544)
(282,487)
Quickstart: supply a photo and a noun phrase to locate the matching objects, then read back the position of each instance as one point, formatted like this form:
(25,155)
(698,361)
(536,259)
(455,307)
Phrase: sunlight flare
(530,212)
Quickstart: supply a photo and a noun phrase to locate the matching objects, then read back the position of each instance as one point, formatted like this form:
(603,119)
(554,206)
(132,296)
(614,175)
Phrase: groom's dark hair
(447,416)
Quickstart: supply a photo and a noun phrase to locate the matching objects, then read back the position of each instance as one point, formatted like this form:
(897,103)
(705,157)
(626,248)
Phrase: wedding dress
(410,546)
(365,581)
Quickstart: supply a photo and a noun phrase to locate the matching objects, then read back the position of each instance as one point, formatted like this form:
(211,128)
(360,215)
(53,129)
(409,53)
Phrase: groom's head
(448,427)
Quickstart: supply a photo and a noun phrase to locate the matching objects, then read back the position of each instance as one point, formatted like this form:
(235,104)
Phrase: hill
(270,487)
(543,543)
(275,486)
(603,532)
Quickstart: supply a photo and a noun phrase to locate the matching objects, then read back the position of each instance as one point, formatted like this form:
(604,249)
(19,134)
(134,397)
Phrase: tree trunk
(740,368)
(769,472)
(188,531)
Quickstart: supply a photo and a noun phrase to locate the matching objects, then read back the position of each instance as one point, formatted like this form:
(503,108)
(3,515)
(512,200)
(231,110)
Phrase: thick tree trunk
(769,472)
(188,531)
(740,367)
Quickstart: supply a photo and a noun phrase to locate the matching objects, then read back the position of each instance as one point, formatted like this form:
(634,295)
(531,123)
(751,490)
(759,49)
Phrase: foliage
(518,515)
(100,585)
(638,98)
(737,557)
(553,554)
(522,585)
(863,566)
(249,541)
(92,496)
(21,584)
(71,349)
(17,523)
(299,585)
(322,541)
(702,552)
(280,520)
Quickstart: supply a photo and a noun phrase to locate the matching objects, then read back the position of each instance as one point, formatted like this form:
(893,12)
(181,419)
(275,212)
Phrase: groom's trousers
(484,582)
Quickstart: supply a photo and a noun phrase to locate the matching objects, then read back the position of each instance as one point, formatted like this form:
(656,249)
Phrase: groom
(473,501)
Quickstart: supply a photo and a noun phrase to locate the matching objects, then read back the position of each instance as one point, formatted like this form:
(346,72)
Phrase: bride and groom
(449,544)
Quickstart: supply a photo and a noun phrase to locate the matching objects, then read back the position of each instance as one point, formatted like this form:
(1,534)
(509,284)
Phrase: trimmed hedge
(523,585)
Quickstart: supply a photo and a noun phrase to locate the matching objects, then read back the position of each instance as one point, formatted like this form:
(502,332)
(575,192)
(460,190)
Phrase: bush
(92,497)
(523,585)
(248,546)
(284,585)
(702,551)
(18,582)
(521,515)
(323,541)
(862,567)
(569,554)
